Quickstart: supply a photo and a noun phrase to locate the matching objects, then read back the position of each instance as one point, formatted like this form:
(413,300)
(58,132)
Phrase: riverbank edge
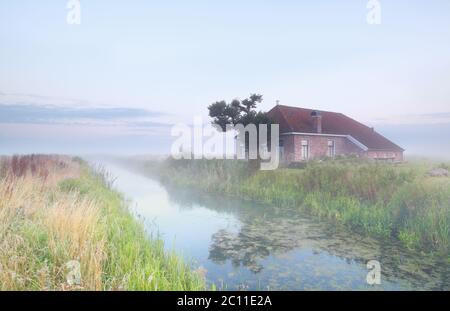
(372,225)
(134,260)
(65,228)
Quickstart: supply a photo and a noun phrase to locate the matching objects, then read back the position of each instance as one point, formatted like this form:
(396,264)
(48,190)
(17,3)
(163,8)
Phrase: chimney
(317,121)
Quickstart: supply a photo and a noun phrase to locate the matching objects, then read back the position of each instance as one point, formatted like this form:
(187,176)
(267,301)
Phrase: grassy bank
(57,214)
(381,200)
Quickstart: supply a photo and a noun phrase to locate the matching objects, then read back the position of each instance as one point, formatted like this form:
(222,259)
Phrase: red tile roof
(294,119)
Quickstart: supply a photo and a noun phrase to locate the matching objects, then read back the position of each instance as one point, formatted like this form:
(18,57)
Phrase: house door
(281,148)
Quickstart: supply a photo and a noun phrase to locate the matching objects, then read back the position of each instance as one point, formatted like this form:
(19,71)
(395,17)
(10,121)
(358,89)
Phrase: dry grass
(43,228)
(54,211)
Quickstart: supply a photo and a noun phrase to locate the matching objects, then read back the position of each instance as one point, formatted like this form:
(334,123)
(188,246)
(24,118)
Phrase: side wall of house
(289,148)
(318,146)
(396,156)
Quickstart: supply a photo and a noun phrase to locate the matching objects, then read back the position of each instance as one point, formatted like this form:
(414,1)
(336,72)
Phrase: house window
(305,150)
(331,149)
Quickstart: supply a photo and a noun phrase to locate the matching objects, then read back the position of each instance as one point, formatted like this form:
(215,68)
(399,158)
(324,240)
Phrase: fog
(429,141)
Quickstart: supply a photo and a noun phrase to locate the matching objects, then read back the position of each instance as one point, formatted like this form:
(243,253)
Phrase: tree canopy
(238,112)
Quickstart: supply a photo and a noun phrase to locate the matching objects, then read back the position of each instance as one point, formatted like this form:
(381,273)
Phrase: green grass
(382,200)
(70,215)
(133,260)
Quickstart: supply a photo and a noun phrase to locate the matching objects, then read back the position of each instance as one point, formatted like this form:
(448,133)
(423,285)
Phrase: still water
(243,245)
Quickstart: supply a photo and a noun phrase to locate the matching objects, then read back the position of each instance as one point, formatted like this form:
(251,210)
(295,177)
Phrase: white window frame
(305,149)
(331,143)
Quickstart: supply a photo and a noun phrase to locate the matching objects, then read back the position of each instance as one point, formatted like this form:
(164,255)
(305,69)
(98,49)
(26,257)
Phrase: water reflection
(243,245)
(268,231)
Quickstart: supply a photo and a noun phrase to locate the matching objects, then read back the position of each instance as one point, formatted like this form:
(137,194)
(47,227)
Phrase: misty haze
(227,146)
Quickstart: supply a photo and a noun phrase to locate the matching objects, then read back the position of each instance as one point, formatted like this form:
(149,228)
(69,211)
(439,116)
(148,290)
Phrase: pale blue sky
(174,58)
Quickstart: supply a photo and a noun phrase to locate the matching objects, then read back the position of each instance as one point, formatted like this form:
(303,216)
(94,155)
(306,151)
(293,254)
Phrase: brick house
(310,134)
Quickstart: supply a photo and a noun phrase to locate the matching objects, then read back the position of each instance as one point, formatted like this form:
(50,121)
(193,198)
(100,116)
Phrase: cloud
(416,119)
(151,124)
(26,113)
(36,99)
(34,123)
(420,139)
(439,115)
(46,110)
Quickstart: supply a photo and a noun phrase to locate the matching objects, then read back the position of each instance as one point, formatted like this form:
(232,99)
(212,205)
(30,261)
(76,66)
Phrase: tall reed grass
(55,211)
(385,200)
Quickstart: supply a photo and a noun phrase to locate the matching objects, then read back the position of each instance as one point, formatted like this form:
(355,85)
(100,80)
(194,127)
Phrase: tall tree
(240,112)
